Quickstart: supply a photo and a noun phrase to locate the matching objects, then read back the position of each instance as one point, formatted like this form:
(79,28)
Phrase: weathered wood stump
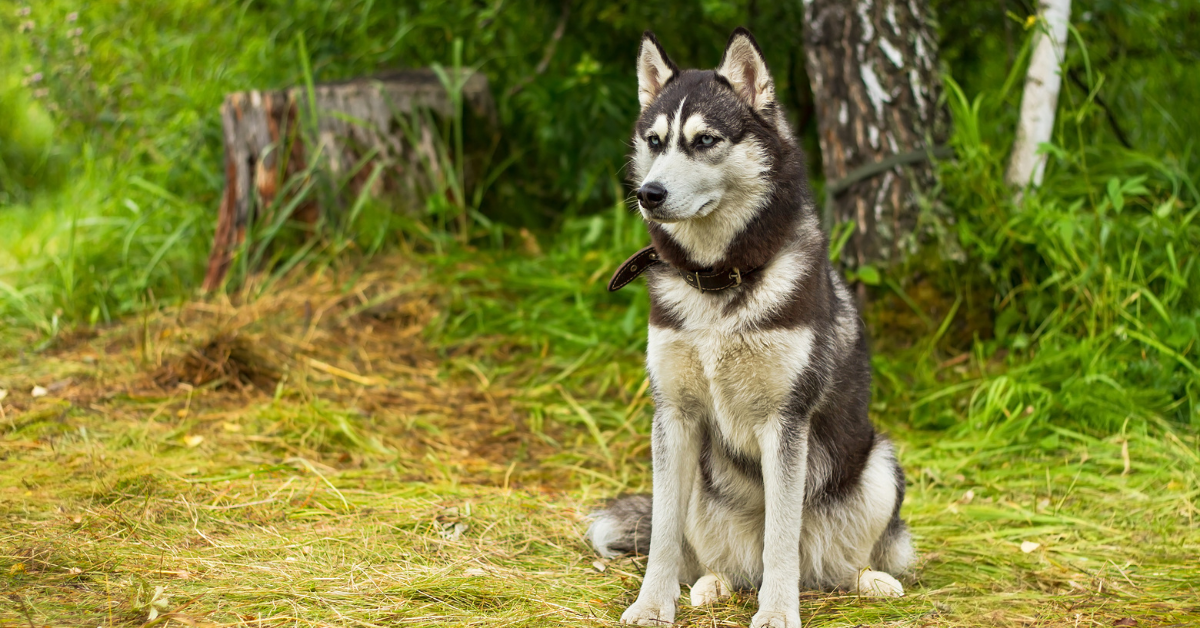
(356,124)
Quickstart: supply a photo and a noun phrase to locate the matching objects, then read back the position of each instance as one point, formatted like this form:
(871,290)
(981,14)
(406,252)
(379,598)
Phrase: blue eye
(707,140)
(654,141)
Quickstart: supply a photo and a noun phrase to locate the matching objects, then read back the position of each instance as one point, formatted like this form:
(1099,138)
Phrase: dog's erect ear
(654,69)
(744,67)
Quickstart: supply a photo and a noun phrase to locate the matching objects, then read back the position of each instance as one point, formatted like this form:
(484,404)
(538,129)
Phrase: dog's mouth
(661,217)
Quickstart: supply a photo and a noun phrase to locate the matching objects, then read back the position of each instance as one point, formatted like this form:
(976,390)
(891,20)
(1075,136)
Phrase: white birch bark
(1040,99)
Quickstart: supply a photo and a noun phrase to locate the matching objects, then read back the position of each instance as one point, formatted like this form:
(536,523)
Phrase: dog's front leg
(784,463)
(675,451)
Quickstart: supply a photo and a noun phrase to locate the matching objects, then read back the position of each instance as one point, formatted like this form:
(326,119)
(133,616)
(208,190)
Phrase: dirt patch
(334,369)
(226,360)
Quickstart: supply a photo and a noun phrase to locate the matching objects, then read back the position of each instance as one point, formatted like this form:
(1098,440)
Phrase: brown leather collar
(639,262)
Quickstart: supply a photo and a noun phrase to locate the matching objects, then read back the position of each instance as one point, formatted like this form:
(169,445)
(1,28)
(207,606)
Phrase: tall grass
(1073,307)
(1094,312)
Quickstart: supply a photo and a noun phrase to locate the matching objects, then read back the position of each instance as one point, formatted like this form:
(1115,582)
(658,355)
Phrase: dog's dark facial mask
(704,145)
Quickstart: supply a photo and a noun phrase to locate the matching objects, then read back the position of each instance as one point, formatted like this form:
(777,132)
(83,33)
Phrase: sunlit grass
(300,447)
(402,482)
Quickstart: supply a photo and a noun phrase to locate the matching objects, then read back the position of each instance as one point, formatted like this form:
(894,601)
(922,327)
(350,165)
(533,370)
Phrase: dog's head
(705,141)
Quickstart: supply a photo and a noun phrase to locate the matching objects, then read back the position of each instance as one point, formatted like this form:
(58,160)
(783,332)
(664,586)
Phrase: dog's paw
(775,619)
(708,590)
(649,614)
(878,584)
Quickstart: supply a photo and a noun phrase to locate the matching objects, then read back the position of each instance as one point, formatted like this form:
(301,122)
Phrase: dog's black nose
(651,195)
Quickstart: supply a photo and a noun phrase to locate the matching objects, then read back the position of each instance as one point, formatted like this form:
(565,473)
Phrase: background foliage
(1077,307)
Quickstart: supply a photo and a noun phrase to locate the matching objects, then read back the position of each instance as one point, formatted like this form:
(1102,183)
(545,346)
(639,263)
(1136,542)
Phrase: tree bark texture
(874,71)
(356,120)
(1039,101)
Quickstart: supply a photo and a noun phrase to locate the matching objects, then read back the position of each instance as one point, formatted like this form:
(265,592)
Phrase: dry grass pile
(310,459)
(226,360)
(333,368)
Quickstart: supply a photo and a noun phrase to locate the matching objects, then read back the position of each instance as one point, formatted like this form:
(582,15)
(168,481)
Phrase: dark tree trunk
(873,66)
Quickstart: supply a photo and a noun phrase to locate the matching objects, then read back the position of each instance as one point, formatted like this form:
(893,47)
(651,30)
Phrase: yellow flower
(1030,21)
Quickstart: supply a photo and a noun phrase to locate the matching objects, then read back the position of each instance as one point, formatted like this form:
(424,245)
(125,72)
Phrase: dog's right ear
(654,69)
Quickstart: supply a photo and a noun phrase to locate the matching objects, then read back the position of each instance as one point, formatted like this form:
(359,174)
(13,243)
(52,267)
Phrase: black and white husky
(767,471)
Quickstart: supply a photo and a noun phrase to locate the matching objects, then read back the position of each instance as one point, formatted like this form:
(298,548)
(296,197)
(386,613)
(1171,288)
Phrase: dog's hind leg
(709,589)
(891,556)
(893,551)
(872,583)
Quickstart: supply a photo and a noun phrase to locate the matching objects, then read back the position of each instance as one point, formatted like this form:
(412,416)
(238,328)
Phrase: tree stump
(356,120)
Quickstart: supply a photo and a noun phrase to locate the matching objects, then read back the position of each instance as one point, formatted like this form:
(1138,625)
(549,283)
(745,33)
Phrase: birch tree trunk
(1040,98)
(874,71)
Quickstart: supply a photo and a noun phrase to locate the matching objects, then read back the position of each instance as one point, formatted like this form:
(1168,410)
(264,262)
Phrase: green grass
(297,448)
(1075,303)
(324,501)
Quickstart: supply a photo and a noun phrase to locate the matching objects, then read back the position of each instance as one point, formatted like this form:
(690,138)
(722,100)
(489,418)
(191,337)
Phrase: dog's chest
(738,379)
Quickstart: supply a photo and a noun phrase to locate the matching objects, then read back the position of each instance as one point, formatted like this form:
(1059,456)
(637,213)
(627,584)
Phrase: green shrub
(29,159)
(1076,306)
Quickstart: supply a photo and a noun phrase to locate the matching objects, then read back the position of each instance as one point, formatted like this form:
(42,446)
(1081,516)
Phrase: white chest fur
(737,380)
(720,365)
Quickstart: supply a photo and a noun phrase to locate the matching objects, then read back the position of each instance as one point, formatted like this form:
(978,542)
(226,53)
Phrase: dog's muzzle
(651,195)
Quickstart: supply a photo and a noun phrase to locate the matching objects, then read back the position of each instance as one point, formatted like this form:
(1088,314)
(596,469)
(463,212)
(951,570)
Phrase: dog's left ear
(744,67)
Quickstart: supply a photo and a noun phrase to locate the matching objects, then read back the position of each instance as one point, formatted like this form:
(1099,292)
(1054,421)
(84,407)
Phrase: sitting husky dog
(767,471)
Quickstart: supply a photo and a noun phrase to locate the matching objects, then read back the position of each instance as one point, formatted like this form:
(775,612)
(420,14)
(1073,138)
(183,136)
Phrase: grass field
(314,458)
(406,418)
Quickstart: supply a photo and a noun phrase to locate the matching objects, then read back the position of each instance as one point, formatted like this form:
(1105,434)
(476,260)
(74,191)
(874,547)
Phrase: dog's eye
(707,140)
(654,141)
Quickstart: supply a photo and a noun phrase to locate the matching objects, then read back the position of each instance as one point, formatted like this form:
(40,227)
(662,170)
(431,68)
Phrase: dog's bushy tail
(622,527)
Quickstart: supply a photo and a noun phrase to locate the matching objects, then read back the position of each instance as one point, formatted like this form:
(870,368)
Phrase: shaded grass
(404,482)
(284,546)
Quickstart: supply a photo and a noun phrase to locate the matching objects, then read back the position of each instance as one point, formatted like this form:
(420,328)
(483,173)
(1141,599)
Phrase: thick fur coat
(767,471)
